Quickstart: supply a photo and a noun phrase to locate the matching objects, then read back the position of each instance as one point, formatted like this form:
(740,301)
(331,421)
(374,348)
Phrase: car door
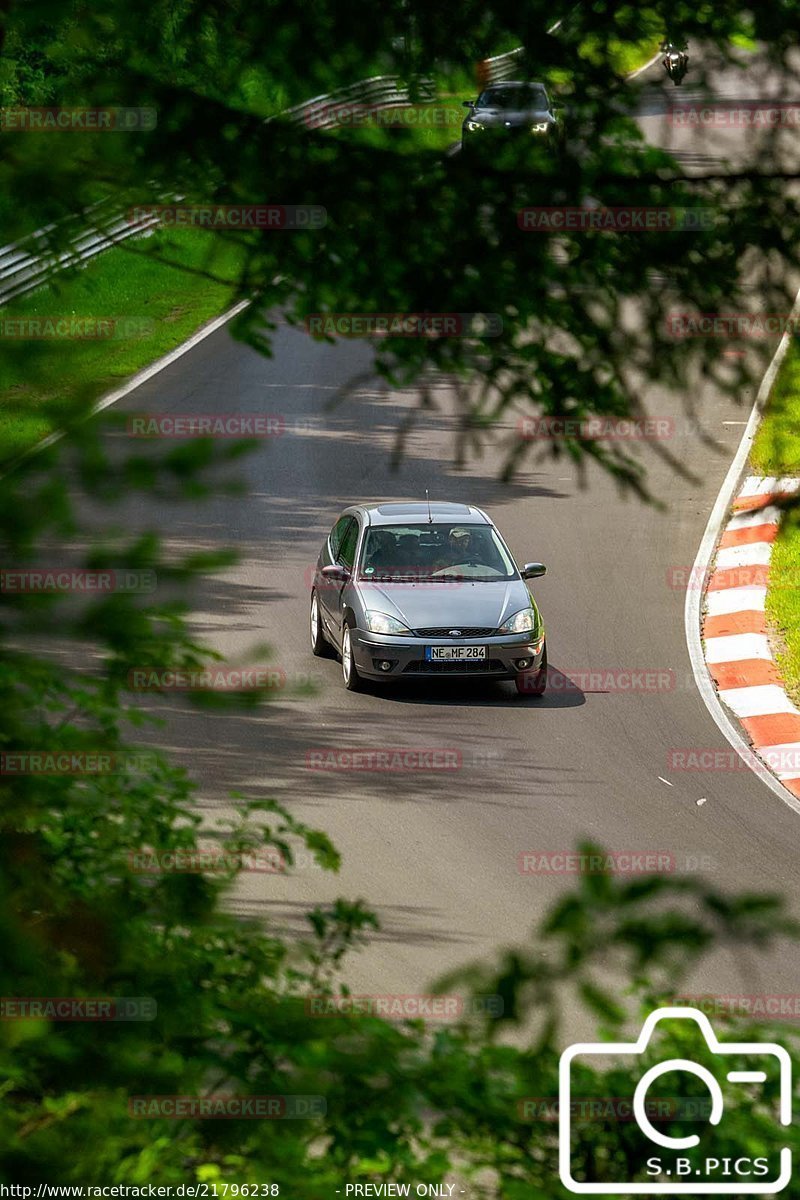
(345,557)
(328,591)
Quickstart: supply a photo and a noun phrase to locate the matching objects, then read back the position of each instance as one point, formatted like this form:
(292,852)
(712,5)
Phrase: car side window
(336,534)
(347,546)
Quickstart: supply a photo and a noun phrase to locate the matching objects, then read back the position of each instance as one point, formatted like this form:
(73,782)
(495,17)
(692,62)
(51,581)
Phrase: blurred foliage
(408,1101)
(473,1098)
(584,313)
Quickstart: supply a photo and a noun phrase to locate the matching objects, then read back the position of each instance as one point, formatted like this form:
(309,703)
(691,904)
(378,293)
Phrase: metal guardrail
(502,66)
(381,91)
(28,263)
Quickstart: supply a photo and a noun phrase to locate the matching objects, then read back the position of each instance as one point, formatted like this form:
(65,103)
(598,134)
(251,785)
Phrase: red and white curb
(736,645)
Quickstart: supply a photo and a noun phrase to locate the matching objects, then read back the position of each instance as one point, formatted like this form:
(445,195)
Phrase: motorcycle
(675,62)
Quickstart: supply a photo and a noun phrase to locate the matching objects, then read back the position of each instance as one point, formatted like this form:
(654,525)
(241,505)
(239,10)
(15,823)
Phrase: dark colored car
(418,590)
(522,111)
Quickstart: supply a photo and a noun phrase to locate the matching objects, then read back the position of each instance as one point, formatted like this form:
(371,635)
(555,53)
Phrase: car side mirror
(467,103)
(336,573)
(529,571)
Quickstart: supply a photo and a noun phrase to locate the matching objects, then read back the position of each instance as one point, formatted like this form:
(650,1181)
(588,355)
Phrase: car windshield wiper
(479,578)
(411,577)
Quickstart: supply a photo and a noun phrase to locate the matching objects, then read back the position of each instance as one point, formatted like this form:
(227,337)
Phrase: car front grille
(468,631)
(476,667)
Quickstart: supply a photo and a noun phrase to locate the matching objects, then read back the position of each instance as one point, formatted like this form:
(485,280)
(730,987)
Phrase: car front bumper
(406,657)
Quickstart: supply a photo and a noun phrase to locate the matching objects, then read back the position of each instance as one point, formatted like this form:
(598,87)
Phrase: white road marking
(758,485)
(666,781)
(740,599)
(769,515)
(783,759)
(140,378)
(761,700)
(753,554)
(646,67)
(736,647)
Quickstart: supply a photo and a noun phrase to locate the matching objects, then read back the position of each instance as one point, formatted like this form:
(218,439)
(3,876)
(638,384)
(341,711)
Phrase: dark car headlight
(540,127)
(474,126)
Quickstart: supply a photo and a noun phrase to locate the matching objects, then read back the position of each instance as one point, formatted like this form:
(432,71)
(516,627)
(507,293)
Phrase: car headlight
(472,126)
(522,622)
(378,622)
(540,127)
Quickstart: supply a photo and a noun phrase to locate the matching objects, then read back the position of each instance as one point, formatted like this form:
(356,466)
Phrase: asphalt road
(436,854)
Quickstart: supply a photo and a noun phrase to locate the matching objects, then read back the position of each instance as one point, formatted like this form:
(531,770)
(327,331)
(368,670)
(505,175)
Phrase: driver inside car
(460,547)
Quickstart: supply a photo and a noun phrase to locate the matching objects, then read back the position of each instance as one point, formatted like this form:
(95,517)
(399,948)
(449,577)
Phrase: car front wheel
(350,675)
(319,645)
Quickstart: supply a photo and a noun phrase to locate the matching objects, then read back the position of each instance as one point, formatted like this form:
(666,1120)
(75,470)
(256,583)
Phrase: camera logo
(674,1171)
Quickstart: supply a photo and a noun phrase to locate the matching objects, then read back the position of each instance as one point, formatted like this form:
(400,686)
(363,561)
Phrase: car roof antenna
(430,517)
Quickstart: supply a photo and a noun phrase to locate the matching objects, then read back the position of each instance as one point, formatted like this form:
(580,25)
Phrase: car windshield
(434,552)
(533,98)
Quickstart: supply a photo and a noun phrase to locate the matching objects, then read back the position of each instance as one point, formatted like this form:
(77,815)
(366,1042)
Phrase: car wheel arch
(348,618)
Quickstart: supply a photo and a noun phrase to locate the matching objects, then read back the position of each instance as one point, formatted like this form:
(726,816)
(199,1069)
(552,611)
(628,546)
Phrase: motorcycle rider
(676,60)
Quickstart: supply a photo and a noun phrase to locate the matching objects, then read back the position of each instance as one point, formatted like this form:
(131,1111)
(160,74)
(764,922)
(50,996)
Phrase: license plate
(454,653)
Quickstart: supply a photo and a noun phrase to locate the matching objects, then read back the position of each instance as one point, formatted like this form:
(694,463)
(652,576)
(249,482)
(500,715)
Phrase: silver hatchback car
(418,590)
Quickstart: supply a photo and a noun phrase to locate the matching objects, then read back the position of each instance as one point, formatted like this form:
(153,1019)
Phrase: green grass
(44,382)
(783,602)
(776,451)
(629,56)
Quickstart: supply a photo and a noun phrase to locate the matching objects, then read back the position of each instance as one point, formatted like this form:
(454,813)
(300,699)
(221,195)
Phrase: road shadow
(465,692)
